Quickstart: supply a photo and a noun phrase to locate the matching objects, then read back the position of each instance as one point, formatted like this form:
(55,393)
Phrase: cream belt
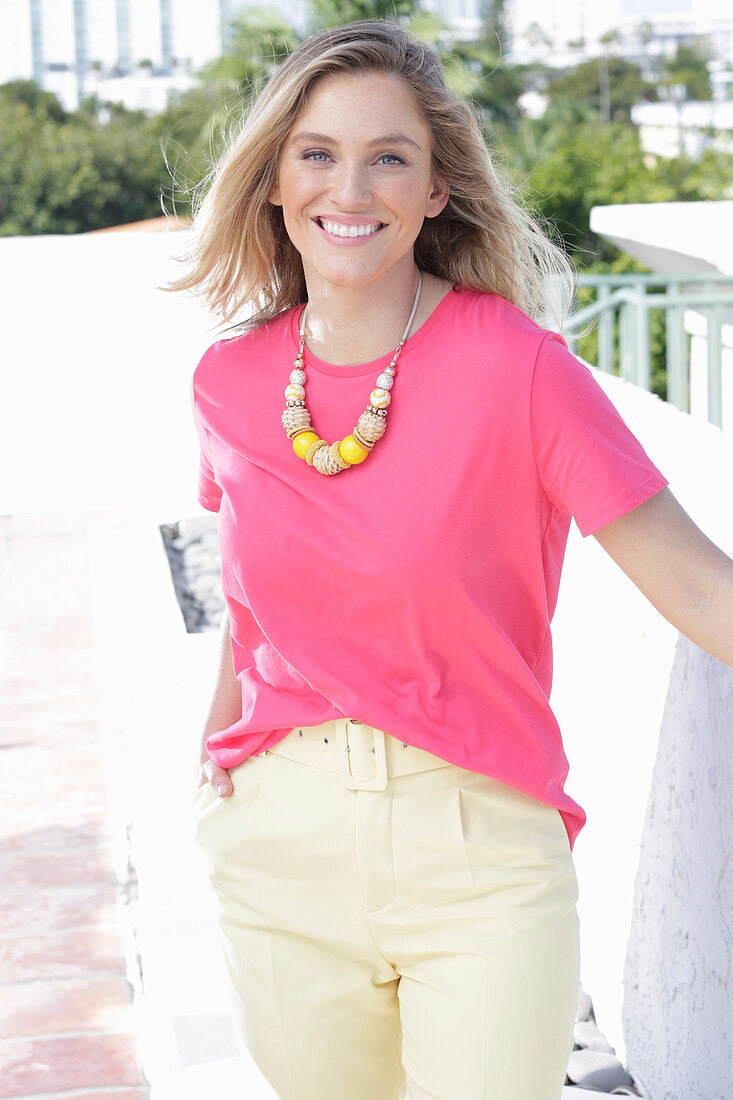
(365,758)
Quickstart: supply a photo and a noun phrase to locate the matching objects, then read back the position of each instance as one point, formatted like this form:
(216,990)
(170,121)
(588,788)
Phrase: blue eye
(393,157)
(315,153)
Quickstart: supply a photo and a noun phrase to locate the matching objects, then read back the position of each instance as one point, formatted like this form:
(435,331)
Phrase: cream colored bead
(371,427)
(361,440)
(379,398)
(294,393)
(324,462)
(297,417)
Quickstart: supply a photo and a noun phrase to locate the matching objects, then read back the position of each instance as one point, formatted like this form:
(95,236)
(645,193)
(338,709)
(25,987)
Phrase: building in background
(562,32)
(140,51)
(132,51)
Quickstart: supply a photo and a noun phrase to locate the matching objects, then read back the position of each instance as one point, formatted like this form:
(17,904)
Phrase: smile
(340,231)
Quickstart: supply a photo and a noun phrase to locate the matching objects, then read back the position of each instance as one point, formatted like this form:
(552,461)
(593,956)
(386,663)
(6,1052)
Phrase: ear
(274,196)
(437,199)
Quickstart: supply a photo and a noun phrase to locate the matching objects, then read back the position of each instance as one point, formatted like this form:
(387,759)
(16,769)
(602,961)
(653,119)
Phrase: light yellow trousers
(417,937)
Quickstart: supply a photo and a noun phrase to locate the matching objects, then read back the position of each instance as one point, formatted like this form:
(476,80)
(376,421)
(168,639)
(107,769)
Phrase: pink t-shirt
(415,590)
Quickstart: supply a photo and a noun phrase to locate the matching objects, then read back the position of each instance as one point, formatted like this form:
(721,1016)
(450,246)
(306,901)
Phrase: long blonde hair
(240,254)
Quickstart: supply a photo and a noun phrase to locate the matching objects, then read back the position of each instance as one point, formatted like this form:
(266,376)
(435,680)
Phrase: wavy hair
(240,256)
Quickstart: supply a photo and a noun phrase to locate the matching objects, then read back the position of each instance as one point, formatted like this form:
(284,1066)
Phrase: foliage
(587,345)
(583,84)
(41,104)
(74,175)
(260,38)
(565,168)
(495,20)
(64,172)
(689,67)
(331,13)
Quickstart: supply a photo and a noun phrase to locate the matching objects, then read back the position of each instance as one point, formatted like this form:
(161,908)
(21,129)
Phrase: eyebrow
(386,139)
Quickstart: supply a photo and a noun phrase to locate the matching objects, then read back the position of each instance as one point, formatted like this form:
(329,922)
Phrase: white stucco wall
(95,413)
(678,1005)
(620,691)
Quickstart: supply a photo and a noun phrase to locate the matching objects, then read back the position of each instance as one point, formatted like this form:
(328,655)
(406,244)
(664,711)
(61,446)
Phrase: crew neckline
(357,370)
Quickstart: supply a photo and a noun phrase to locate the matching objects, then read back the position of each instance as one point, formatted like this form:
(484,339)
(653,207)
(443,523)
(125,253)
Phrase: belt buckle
(379,781)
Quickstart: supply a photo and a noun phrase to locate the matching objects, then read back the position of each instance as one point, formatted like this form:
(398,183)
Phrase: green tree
(260,38)
(76,175)
(331,13)
(689,67)
(564,169)
(495,20)
(585,83)
(41,104)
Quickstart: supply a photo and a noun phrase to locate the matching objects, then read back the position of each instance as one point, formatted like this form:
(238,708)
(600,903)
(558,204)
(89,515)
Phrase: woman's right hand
(209,772)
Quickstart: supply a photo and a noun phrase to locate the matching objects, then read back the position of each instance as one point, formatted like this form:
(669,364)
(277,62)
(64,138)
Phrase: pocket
(201,793)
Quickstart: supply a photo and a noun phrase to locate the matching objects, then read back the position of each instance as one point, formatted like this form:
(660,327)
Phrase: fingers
(219,778)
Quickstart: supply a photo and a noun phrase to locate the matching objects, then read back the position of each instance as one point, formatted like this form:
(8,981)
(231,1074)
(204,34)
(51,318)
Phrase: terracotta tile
(50,760)
(142,1093)
(48,802)
(46,909)
(68,953)
(76,630)
(35,687)
(38,1065)
(41,524)
(18,704)
(57,653)
(80,866)
(76,831)
(52,1007)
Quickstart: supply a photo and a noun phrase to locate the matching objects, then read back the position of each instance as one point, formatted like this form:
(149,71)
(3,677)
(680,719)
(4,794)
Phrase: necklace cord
(415,304)
(352,449)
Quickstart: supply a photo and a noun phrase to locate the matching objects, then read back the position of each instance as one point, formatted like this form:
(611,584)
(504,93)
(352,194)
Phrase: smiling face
(355,180)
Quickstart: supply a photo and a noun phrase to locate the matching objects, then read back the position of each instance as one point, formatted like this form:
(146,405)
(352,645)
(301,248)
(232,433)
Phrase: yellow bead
(302,442)
(352,451)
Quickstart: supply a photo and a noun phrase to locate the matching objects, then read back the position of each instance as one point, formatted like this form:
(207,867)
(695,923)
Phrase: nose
(351,189)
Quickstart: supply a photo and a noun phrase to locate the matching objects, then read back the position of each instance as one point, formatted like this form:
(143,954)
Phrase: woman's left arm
(685,576)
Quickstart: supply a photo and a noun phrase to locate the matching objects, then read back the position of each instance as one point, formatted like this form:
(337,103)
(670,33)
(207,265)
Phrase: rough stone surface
(588,1035)
(597,1069)
(193,556)
(678,992)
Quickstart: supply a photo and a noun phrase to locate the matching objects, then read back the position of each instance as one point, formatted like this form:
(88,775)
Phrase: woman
(380,795)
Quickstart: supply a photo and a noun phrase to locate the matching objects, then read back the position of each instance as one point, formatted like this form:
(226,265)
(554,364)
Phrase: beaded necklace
(331,458)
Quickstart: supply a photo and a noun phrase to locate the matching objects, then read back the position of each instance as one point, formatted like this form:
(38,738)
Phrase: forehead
(364,99)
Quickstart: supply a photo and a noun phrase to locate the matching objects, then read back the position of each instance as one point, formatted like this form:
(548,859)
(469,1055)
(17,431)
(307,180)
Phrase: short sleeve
(589,462)
(209,492)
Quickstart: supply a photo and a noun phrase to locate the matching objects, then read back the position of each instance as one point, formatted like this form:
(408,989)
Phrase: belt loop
(379,781)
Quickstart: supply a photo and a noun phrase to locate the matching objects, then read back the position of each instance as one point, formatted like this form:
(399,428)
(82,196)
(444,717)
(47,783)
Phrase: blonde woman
(395,445)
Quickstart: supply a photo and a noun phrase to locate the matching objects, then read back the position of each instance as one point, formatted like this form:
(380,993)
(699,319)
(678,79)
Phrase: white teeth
(338,230)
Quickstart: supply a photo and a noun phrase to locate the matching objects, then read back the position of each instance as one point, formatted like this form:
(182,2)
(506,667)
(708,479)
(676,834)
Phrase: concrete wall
(678,1004)
(637,702)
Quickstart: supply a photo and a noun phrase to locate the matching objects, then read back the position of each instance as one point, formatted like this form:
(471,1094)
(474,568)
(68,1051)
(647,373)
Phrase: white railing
(627,343)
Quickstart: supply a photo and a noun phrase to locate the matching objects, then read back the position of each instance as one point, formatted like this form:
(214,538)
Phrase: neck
(350,325)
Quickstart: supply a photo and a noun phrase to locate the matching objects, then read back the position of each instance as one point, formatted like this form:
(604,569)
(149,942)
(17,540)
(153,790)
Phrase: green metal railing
(632,297)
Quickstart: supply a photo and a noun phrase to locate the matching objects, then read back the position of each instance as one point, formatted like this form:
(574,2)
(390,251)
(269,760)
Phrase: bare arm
(224,709)
(681,572)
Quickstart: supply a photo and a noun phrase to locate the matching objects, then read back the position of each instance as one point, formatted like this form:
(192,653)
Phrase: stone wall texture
(678,1004)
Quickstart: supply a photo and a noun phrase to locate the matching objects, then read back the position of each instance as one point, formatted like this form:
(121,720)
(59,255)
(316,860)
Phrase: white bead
(294,392)
(379,398)
(385,381)
(298,377)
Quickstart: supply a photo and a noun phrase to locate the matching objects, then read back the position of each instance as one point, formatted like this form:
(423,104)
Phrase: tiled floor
(66,1023)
